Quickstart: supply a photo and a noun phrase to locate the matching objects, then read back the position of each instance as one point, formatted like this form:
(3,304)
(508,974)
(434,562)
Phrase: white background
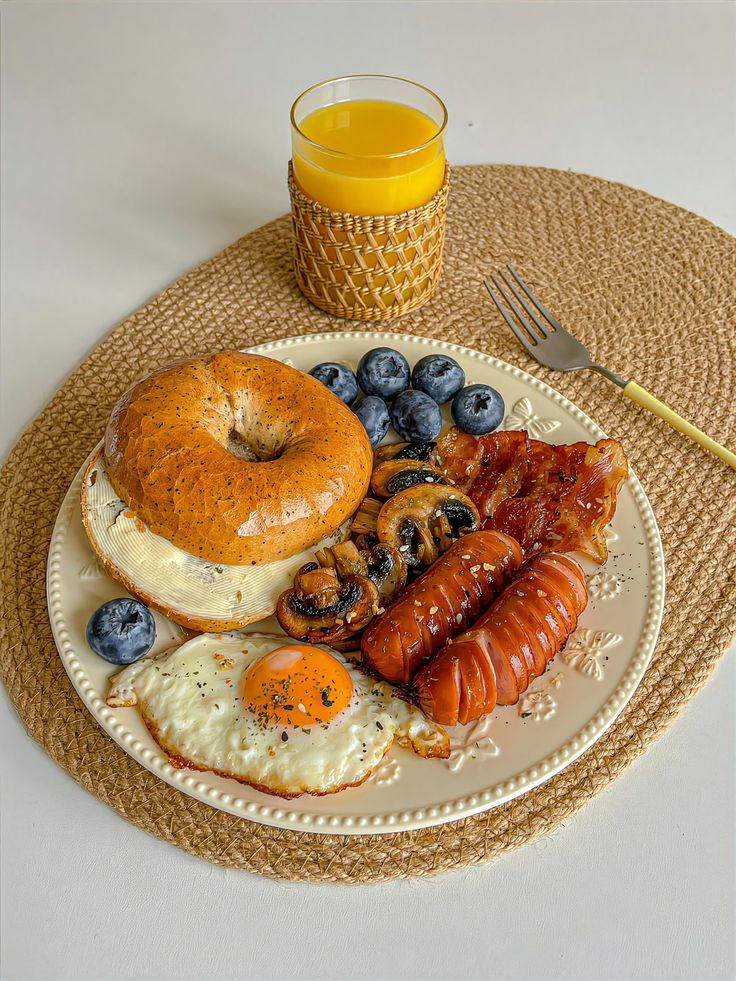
(137,140)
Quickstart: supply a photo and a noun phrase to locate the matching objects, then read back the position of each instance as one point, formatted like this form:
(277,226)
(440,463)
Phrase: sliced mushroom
(422,521)
(366,517)
(393,476)
(322,609)
(387,571)
(405,451)
(443,533)
(348,642)
(366,541)
(368,557)
(344,557)
(322,585)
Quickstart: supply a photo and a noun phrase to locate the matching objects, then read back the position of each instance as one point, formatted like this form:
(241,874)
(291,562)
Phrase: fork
(547,341)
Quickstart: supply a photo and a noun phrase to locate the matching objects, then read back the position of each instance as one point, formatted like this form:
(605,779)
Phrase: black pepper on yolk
(296,685)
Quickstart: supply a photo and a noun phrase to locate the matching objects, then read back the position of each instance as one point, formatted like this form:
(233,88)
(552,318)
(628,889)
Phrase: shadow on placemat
(647,286)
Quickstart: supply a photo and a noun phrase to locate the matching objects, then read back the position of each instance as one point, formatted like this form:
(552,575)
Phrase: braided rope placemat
(650,289)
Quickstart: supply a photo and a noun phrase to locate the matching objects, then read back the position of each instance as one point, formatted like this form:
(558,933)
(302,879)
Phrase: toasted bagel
(237,458)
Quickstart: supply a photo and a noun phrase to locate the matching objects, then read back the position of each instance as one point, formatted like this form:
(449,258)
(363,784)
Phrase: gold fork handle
(641,396)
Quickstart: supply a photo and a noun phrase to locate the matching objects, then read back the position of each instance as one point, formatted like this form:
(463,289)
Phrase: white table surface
(140,139)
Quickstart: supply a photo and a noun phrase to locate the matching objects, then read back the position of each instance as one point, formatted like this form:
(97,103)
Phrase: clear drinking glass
(369,144)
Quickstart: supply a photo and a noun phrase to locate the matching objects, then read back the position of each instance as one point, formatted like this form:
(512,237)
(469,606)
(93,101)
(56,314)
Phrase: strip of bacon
(529,520)
(504,467)
(459,455)
(545,496)
(590,505)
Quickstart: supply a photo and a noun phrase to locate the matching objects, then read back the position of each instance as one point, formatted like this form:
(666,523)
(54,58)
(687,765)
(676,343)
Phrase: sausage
(509,646)
(451,594)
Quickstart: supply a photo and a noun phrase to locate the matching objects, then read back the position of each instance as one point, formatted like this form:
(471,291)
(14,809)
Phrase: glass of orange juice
(369,144)
(369,194)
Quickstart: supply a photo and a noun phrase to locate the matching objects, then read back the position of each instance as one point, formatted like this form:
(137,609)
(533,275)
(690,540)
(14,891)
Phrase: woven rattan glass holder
(368,267)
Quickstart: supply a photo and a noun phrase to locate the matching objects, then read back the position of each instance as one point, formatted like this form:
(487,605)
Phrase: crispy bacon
(458,455)
(547,497)
(589,506)
(505,464)
(527,519)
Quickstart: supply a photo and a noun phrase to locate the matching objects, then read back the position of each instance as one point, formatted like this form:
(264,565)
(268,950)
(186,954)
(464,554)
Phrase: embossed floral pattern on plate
(604,585)
(541,704)
(523,416)
(474,743)
(586,650)
(92,570)
(387,773)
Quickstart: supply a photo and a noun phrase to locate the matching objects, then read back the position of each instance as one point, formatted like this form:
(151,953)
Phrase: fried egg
(285,717)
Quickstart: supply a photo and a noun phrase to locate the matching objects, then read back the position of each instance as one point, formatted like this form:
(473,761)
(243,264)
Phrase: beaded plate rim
(278,815)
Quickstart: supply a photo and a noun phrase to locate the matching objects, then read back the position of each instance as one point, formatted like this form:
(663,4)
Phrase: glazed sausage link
(510,645)
(451,594)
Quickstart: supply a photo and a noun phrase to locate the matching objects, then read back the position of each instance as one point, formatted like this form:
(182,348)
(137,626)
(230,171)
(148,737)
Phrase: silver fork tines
(535,299)
(542,329)
(546,340)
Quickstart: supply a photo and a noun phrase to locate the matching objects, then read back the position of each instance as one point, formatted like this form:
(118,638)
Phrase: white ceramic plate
(493,760)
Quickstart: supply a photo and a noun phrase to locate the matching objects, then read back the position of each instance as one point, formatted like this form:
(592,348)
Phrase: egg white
(189,698)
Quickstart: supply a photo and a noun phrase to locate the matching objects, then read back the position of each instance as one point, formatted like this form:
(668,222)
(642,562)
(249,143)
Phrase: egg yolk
(296,685)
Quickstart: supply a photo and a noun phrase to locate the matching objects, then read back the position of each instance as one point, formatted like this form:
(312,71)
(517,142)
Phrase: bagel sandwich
(217,478)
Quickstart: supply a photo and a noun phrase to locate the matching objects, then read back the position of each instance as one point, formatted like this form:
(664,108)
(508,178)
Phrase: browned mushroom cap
(322,609)
(405,451)
(368,557)
(422,521)
(367,541)
(394,476)
(345,558)
(387,570)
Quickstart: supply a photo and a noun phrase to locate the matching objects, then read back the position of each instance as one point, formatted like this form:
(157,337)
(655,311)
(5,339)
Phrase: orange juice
(369,156)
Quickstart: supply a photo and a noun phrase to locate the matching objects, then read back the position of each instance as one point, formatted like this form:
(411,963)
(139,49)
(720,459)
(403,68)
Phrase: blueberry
(478,409)
(416,417)
(121,631)
(383,372)
(340,380)
(373,413)
(438,376)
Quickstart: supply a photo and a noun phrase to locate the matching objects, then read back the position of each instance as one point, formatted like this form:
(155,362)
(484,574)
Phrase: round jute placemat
(647,286)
